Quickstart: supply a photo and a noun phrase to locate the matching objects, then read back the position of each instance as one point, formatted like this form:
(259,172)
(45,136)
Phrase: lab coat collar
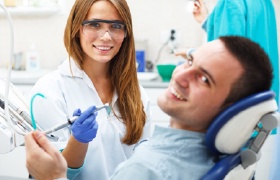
(114,100)
(74,71)
(77,72)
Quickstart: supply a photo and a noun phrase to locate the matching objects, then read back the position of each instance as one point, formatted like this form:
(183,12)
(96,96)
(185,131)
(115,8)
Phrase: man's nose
(183,77)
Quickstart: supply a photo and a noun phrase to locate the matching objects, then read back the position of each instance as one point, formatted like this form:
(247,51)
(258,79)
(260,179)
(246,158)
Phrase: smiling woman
(100,69)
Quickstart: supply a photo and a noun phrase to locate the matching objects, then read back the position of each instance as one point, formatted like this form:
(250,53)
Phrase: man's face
(199,87)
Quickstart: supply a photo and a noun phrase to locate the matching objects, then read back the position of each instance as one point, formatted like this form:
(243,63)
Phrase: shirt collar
(172,134)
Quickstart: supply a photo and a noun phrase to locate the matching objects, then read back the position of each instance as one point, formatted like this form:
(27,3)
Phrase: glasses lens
(97,28)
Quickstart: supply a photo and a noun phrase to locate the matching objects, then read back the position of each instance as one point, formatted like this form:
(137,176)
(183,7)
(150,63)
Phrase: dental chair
(237,135)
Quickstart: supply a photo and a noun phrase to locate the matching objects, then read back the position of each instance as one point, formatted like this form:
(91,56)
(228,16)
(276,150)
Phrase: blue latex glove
(85,127)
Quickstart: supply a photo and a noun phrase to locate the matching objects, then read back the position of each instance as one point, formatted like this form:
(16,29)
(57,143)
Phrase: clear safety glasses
(97,28)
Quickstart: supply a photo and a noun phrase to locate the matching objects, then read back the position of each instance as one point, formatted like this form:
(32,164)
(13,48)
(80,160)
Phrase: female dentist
(101,69)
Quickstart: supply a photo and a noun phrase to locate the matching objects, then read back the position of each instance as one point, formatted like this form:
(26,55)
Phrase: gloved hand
(85,127)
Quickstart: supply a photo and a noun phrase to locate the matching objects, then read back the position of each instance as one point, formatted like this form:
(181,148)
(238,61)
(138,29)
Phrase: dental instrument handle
(60,126)
(71,121)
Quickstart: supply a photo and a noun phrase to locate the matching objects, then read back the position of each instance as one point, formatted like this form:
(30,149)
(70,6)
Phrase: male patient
(216,75)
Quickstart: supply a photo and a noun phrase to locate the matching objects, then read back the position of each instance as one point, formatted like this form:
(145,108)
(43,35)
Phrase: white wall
(149,19)
(45,31)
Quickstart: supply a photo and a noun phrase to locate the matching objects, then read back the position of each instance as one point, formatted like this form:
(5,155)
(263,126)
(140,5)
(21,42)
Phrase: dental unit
(16,116)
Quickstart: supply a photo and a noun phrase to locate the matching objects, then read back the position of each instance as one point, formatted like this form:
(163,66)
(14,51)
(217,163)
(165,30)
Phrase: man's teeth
(103,48)
(179,96)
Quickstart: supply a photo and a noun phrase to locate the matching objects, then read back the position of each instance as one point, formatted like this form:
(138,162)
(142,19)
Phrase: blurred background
(41,24)
(43,27)
(38,30)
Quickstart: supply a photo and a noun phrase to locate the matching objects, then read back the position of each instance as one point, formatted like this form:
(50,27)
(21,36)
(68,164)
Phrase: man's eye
(204,79)
(190,62)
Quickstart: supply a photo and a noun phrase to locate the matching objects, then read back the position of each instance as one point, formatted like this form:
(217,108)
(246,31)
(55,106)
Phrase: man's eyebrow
(208,74)
(190,56)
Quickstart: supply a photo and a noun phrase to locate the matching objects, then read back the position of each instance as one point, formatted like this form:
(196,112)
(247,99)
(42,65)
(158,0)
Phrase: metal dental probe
(71,120)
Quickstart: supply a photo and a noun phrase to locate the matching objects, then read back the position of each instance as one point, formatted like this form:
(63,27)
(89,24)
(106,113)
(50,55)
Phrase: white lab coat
(64,92)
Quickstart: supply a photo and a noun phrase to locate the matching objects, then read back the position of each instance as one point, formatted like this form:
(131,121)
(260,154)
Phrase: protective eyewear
(97,28)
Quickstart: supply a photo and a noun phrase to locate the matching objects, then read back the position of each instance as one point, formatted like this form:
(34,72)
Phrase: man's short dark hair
(258,73)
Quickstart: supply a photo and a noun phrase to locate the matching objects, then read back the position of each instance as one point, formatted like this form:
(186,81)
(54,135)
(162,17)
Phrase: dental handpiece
(72,119)
(18,110)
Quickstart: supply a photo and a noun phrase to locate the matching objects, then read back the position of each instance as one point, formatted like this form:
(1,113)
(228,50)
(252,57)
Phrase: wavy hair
(122,67)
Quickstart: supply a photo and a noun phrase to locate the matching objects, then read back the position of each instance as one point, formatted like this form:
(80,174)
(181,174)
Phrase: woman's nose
(106,35)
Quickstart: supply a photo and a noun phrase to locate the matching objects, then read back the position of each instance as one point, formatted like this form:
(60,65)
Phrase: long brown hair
(122,67)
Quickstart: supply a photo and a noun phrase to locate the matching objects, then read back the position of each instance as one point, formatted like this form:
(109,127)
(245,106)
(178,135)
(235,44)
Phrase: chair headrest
(231,129)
